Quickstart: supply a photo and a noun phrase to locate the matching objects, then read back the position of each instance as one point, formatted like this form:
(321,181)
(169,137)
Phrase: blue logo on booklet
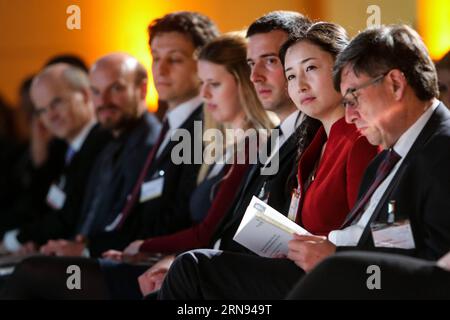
(259,207)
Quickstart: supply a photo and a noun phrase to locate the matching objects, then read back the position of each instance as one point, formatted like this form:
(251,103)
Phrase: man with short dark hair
(390,90)
(265,37)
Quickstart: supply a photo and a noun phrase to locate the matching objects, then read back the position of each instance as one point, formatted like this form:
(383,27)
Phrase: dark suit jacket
(421,189)
(26,186)
(115,173)
(276,187)
(167,213)
(61,223)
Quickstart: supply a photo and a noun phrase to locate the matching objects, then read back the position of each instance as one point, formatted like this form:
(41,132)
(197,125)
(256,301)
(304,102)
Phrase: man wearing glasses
(61,94)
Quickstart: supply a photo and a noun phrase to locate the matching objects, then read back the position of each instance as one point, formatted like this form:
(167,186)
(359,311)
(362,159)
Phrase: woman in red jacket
(331,167)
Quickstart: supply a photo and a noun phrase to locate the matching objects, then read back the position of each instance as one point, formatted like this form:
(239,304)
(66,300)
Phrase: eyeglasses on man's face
(55,104)
(350,99)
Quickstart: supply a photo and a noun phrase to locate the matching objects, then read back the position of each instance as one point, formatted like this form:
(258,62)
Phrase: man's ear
(398,83)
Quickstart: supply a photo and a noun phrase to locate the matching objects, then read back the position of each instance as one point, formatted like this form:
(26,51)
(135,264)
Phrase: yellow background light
(129,23)
(434,25)
(35,30)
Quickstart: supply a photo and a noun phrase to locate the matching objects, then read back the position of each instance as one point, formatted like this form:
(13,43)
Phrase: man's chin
(165,95)
(270,106)
(109,124)
(373,140)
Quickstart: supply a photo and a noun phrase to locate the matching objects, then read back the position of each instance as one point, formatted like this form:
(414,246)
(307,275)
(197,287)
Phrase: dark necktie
(96,210)
(257,167)
(132,198)
(69,155)
(390,159)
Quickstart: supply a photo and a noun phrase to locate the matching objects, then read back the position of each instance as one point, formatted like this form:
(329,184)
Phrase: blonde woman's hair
(210,123)
(230,51)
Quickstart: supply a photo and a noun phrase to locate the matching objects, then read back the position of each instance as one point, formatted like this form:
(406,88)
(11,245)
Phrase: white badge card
(56,197)
(444,262)
(151,189)
(263,194)
(396,235)
(293,207)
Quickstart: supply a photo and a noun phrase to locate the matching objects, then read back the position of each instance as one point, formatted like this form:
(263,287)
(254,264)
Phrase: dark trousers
(50,278)
(214,274)
(46,278)
(122,279)
(349,275)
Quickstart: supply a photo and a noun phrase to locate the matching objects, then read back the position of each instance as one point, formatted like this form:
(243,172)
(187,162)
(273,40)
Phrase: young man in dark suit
(268,180)
(63,103)
(159,201)
(389,85)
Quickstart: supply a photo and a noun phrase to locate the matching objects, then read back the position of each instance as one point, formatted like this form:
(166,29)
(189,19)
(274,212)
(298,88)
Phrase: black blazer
(54,224)
(115,173)
(167,213)
(274,185)
(27,185)
(421,190)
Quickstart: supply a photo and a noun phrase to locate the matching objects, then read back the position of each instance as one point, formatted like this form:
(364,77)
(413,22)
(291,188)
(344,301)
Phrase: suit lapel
(187,125)
(89,143)
(286,149)
(136,143)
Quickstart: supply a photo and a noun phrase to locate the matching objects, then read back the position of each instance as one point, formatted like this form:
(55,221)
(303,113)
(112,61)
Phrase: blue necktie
(69,155)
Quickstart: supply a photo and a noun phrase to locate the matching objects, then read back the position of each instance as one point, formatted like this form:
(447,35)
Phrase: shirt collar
(289,125)
(180,113)
(77,143)
(407,139)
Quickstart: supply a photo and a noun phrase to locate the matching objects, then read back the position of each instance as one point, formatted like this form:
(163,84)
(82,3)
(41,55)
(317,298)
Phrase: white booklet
(266,231)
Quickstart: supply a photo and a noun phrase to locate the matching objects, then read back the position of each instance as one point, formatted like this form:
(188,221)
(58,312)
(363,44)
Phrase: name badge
(293,207)
(264,194)
(56,197)
(151,189)
(394,235)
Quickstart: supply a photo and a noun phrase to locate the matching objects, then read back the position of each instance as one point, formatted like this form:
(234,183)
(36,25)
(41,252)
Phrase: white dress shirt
(78,141)
(177,117)
(287,128)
